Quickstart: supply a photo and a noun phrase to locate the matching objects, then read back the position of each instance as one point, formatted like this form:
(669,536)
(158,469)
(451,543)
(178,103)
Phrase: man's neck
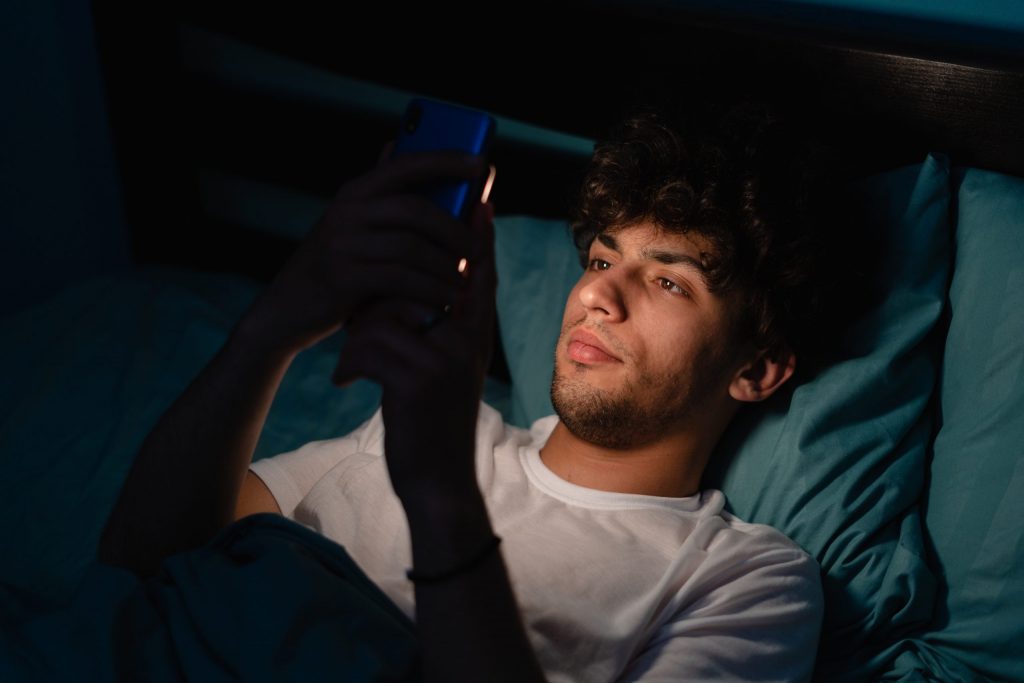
(670,467)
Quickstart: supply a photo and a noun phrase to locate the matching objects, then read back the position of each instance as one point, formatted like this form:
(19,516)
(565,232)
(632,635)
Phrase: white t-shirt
(611,586)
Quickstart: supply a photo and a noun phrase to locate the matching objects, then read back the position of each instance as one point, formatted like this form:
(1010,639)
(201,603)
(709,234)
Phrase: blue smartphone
(429,125)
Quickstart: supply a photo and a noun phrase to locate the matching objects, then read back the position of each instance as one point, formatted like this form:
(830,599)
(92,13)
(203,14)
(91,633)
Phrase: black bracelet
(472,562)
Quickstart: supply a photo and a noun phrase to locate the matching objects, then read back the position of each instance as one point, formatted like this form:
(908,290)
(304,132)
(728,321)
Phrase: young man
(582,549)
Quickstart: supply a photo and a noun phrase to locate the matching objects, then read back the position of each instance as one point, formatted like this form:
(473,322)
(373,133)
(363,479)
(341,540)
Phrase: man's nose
(604,297)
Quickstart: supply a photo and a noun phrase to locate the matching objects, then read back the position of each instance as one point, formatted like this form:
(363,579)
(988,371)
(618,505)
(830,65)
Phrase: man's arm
(389,259)
(183,486)
(255,497)
(468,621)
(377,239)
(469,625)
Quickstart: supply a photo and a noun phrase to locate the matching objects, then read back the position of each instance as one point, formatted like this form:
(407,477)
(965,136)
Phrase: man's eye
(599,264)
(672,287)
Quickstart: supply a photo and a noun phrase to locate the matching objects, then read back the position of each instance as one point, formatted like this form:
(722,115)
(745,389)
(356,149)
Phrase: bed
(899,467)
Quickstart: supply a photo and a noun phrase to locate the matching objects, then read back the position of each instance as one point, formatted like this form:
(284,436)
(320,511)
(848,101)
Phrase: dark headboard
(235,123)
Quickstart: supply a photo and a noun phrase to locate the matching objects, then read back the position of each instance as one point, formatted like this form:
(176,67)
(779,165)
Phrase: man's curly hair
(751,184)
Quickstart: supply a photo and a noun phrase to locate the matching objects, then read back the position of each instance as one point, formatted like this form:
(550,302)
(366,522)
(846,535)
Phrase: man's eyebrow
(608,241)
(662,256)
(671,257)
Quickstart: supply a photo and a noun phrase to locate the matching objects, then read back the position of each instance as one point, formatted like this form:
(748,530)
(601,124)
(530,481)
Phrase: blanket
(267,600)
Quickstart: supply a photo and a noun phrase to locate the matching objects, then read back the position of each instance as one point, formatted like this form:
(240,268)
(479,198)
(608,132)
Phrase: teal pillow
(537,268)
(836,463)
(975,504)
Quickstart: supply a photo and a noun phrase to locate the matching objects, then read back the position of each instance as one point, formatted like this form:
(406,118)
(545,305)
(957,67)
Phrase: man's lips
(586,348)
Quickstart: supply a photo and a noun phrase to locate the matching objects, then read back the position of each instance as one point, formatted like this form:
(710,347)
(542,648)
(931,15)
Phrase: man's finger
(415,213)
(369,283)
(391,311)
(413,171)
(411,251)
(483,277)
(387,352)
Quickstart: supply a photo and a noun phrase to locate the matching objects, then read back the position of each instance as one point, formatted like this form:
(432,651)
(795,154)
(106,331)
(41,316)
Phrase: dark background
(133,138)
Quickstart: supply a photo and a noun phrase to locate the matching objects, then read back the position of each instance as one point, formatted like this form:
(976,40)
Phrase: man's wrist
(446,528)
(258,338)
(464,566)
(444,507)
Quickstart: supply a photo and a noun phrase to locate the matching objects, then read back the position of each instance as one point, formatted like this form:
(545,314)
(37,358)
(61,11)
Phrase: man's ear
(761,377)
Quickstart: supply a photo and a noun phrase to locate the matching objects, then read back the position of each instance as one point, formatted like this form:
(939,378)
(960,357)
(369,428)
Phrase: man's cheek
(572,312)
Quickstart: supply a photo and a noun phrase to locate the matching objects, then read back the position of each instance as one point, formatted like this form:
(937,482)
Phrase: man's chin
(597,417)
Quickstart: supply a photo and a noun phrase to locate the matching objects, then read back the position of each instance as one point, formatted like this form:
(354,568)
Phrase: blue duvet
(267,600)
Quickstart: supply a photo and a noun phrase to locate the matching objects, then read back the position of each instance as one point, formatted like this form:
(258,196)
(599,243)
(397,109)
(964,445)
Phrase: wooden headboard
(235,122)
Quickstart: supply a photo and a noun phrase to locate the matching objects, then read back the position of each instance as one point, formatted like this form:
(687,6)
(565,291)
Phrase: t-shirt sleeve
(759,621)
(292,475)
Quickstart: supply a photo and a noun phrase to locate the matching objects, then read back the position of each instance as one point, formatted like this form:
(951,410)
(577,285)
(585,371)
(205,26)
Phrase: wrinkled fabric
(267,600)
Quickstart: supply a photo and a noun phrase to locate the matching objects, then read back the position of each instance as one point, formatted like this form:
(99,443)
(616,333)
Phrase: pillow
(975,500)
(836,464)
(537,267)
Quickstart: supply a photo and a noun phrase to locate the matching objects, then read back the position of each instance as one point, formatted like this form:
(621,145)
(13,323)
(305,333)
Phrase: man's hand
(431,365)
(469,625)
(379,239)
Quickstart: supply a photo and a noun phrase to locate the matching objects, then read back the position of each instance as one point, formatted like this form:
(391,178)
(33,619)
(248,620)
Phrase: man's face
(645,350)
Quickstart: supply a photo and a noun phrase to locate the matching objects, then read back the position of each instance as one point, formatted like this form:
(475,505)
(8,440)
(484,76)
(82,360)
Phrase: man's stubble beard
(646,409)
(595,416)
